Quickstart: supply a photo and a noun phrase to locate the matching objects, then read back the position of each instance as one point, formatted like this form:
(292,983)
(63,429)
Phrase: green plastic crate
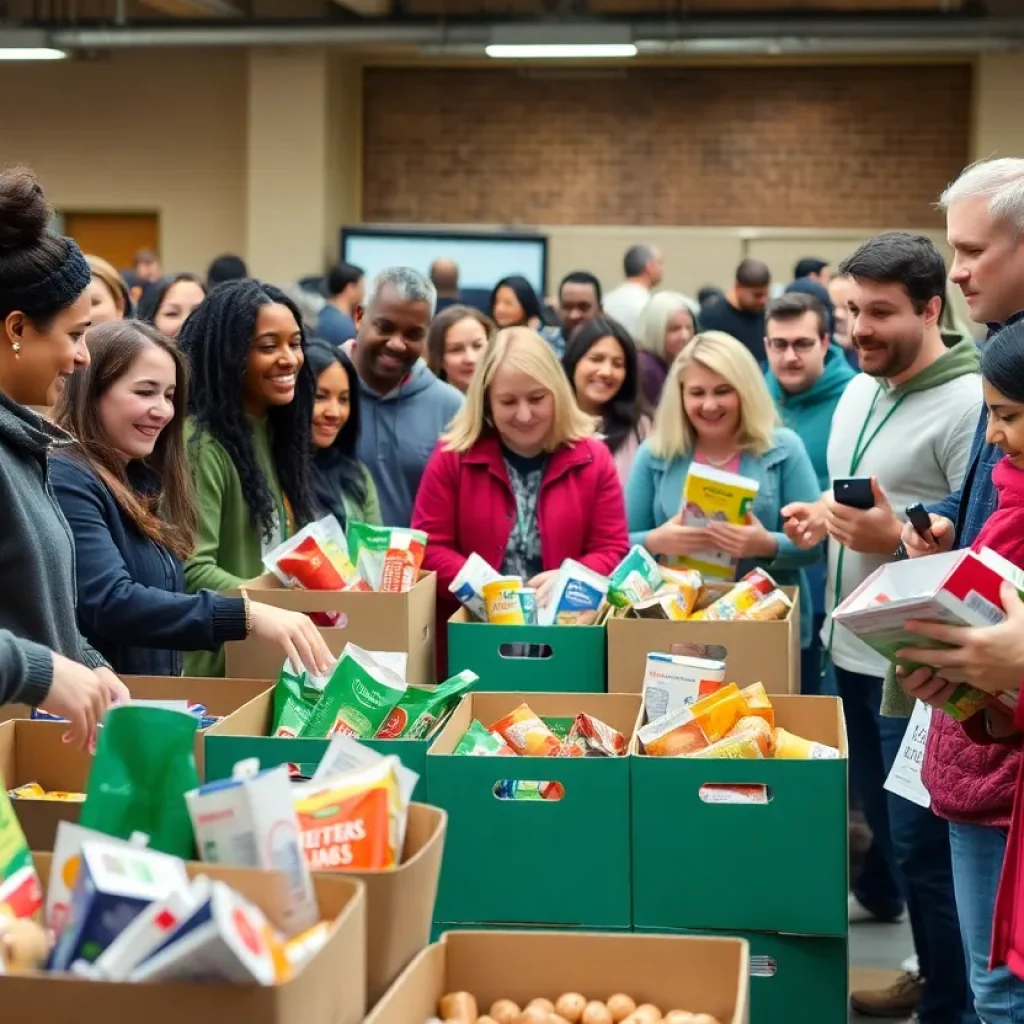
(557,863)
(794,979)
(244,734)
(573,659)
(694,863)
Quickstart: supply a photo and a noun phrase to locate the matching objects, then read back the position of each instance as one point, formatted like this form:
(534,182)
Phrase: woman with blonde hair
(108,294)
(665,327)
(519,478)
(716,411)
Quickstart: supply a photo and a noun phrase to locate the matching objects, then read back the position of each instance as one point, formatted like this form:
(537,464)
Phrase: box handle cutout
(528,789)
(714,652)
(736,793)
(524,651)
(763,967)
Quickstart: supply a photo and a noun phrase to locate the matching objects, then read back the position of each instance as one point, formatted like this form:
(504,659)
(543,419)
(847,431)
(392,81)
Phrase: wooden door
(117,237)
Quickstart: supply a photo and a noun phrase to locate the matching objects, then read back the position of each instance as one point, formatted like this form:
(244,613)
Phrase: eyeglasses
(801,346)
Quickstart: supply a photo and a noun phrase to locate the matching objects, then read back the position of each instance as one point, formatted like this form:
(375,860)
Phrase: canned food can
(501,598)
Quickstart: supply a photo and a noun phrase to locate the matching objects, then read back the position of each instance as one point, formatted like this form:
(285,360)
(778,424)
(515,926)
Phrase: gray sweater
(37,561)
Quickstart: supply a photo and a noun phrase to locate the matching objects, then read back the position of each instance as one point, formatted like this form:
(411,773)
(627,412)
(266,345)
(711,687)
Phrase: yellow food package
(30,791)
(772,608)
(759,703)
(741,745)
(686,582)
(352,821)
(712,495)
(791,747)
(717,713)
(759,729)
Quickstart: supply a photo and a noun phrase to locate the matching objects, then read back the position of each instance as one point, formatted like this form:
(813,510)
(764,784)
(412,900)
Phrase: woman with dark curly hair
(251,411)
(167,304)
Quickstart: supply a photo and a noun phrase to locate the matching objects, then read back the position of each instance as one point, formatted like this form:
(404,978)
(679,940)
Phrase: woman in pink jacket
(519,479)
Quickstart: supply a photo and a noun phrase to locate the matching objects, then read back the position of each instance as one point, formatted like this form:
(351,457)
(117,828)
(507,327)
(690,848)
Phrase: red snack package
(599,739)
(402,561)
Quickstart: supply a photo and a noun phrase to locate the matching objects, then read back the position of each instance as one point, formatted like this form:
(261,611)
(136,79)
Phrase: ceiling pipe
(438,33)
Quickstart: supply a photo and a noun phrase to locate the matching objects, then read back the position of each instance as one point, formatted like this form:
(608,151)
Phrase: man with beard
(906,422)
(405,407)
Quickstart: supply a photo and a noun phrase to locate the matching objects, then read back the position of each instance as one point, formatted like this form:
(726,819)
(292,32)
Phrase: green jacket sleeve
(371,507)
(203,571)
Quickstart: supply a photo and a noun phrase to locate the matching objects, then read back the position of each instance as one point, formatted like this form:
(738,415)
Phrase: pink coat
(465,504)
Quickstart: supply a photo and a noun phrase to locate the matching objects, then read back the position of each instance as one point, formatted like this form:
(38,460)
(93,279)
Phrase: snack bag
(526,734)
(418,713)
(351,822)
(758,702)
(315,558)
(388,558)
(741,745)
(791,747)
(762,732)
(478,741)
(687,582)
(294,702)
(598,739)
(576,598)
(668,603)
(636,578)
(672,735)
(21,895)
(713,495)
(357,699)
(740,599)
(772,608)
(468,585)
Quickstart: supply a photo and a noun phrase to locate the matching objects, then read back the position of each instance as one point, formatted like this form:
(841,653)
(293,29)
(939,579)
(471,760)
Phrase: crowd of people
(158,435)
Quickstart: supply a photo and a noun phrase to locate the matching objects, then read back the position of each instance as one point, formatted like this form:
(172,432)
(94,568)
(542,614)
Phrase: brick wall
(801,147)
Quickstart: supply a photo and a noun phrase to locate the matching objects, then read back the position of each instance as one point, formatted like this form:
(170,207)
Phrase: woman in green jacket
(342,484)
(251,410)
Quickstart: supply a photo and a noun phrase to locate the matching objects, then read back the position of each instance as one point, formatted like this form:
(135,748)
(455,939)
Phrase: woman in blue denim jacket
(716,410)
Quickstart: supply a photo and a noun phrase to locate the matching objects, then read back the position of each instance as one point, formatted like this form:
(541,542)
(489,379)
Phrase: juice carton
(673,681)
(468,585)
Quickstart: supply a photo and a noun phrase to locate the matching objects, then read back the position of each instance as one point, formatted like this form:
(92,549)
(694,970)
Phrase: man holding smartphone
(901,433)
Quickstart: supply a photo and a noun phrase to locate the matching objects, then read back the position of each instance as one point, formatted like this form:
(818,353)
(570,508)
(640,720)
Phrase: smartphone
(854,492)
(919,519)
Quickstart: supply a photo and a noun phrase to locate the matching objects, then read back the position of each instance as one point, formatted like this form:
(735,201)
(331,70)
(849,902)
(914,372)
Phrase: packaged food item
(358,698)
(21,895)
(468,585)
(758,728)
(501,599)
(772,608)
(576,598)
(315,558)
(305,946)
(402,561)
(114,884)
(718,713)
(249,821)
(526,734)
(687,583)
(636,578)
(24,946)
(668,603)
(742,745)
(673,735)
(229,939)
(352,821)
(29,791)
(598,738)
(758,702)
(674,681)
(294,701)
(419,712)
(738,600)
(791,747)
(478,741)
(733,793)
(712,495)
(528,601)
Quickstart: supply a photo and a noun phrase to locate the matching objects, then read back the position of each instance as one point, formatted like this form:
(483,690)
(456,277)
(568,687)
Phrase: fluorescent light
(31,53)
(541,51)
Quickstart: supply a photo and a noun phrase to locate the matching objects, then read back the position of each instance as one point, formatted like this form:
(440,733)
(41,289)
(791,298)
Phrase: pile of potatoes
(570,1008)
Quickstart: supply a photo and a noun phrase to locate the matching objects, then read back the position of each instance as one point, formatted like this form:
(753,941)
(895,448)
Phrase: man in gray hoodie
(405,407)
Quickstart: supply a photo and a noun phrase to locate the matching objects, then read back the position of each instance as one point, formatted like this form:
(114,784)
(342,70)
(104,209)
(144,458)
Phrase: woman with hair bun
(44,314)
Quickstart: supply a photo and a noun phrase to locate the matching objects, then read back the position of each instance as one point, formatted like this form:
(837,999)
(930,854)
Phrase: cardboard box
(400,903)
(571,659)
(705,975)
(376,622)
(35,752)
(331,988)
(959,587)
(546,862)
(795,979)
(245,733)
(779,867)
(755,652)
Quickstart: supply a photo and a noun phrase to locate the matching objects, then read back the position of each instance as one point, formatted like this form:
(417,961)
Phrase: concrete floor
(877,947)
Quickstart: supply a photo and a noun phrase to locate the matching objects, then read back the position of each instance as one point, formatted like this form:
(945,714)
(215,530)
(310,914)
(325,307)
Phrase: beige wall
(260,153)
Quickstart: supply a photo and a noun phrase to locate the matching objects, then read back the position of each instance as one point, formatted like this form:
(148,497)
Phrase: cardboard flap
(251,719)
(219,696)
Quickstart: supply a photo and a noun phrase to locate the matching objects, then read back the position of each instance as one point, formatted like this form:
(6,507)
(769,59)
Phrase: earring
(16,345)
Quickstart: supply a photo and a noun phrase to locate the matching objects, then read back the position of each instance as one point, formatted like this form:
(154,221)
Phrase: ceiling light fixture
(555,51)
(31,53)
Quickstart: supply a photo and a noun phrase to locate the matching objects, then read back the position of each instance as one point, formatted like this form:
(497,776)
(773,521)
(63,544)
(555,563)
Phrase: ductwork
(918,35)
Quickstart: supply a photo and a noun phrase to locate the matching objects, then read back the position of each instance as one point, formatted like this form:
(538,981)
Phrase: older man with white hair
(405,408)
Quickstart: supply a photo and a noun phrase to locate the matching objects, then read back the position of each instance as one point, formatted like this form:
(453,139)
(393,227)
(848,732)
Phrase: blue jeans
(909,861)
(978,852)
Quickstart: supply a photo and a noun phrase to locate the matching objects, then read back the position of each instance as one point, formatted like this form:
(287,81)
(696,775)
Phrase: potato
(554,1018)
(596,1013)
(620,1006)
(648,1012)
(703,1018)
(459,1006)
(504,1011)
(533,1015)
(571,1006)
(544,1004)
(486,1020)
(679,1017)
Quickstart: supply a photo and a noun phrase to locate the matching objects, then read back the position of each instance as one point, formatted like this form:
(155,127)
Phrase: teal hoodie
(809,414)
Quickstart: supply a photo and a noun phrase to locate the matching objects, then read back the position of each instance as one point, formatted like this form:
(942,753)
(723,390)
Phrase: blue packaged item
(577,597)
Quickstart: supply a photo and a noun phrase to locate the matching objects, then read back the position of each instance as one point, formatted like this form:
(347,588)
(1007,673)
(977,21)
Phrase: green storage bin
(440,927)
(573,658)
(554,863)
(794,979)
(244,734)
(776,867)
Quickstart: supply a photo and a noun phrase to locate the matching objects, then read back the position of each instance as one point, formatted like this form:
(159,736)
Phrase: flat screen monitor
(484,258)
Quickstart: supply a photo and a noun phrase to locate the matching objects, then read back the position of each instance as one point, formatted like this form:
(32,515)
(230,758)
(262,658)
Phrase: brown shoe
(900,999)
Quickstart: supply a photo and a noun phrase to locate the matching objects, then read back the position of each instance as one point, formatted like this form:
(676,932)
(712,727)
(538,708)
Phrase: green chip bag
(479,741)
(292,706)
(419,711)
(357,700)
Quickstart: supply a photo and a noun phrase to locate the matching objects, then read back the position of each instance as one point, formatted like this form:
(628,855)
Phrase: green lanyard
(859,450)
